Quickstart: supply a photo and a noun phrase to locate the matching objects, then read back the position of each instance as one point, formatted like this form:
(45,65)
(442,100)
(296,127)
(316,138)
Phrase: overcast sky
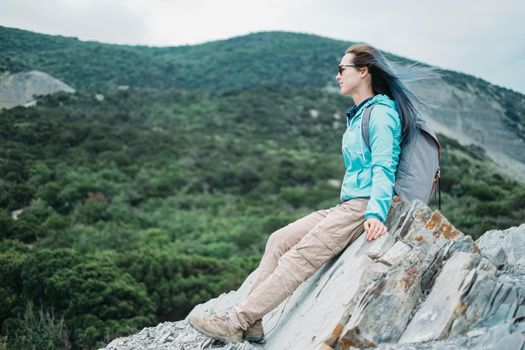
(483,38)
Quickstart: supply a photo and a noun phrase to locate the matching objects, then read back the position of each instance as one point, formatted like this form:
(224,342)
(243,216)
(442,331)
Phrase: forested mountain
(466,108)
(273,58)
(155,184)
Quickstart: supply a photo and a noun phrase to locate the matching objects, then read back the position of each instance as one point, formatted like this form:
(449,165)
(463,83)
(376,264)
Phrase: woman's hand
(374,228)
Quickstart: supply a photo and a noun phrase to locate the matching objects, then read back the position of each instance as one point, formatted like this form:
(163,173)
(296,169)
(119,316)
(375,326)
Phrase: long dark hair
(391,82)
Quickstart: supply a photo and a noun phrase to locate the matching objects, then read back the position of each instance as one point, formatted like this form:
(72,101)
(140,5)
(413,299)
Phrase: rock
(397,291)
(395,254)
(337,283)
(504,246)
(490,299)
(425,285)
(16,213)
(163,337)
(380,246)
(500,258)
(430,233)
(433,319)
(20,89)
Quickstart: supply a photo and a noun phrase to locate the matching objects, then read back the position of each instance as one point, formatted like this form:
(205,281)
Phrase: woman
(294,252)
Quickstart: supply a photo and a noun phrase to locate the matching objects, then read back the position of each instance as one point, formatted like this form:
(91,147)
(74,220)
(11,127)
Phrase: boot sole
(252,339)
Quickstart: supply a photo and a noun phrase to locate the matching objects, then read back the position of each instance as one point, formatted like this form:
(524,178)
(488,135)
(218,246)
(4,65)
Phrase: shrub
(37,330)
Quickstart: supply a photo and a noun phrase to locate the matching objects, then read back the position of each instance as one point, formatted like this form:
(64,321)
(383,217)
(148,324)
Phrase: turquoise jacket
(371,172)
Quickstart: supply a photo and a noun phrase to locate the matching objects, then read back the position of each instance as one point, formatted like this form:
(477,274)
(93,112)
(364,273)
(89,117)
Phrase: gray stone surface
(394,255)
(397,291)
(381,245)
(424,285)
(504,246)
(19,89)
(433,319)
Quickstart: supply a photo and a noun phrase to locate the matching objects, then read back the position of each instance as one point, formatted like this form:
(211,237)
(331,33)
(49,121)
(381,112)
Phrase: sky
(483,38)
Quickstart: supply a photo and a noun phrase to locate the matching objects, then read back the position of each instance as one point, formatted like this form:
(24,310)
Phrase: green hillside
(275,58)
(265,58)
(138,207)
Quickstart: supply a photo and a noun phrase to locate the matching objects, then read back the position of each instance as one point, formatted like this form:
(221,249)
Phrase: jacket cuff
(372,215)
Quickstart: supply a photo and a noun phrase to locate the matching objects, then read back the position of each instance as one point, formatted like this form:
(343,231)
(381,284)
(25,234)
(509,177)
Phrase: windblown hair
(391,82)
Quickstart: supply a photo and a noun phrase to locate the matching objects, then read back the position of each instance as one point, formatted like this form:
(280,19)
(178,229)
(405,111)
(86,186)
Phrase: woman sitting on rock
(294,252)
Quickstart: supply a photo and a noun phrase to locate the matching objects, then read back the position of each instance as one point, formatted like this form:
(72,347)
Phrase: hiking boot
(217,326)
(255,332)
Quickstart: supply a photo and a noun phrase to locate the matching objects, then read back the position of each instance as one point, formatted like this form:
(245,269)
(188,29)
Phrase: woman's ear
(363,71)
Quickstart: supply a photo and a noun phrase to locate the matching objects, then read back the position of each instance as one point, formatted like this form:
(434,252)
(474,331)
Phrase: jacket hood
(378,98)
(383,99)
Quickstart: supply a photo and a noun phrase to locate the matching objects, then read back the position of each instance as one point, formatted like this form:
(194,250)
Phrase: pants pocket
(316,249)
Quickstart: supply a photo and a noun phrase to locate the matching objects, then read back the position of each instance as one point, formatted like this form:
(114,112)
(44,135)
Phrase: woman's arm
(385,139)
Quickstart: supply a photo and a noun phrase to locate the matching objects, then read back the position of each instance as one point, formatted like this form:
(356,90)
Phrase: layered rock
(425,285)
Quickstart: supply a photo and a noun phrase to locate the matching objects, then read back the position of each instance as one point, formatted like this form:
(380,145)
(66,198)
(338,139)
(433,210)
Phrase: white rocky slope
(425,285)
(475,116)
(19,89)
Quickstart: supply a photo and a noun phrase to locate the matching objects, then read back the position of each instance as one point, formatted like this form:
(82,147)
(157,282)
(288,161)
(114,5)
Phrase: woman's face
(349,78)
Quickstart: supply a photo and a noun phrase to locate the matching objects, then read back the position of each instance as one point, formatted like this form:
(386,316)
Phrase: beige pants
(294,252)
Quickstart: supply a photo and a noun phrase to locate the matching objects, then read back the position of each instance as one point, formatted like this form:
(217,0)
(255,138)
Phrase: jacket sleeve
(385,138)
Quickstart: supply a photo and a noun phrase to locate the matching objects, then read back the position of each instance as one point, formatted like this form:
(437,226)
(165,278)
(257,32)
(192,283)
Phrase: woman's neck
(361,96)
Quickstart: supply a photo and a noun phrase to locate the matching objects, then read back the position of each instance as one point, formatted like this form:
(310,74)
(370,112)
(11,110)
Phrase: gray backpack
(418,170)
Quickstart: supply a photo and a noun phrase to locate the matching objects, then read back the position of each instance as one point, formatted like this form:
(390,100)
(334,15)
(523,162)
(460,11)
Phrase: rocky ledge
(425,285)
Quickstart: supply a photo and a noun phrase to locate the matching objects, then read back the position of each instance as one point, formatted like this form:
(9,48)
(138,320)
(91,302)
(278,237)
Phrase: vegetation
(476,197)
(137,207)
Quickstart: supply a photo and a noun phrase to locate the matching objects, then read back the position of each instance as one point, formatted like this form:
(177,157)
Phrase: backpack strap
(365,123)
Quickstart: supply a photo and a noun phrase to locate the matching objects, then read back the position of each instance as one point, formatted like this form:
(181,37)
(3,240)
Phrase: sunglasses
(343,66)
